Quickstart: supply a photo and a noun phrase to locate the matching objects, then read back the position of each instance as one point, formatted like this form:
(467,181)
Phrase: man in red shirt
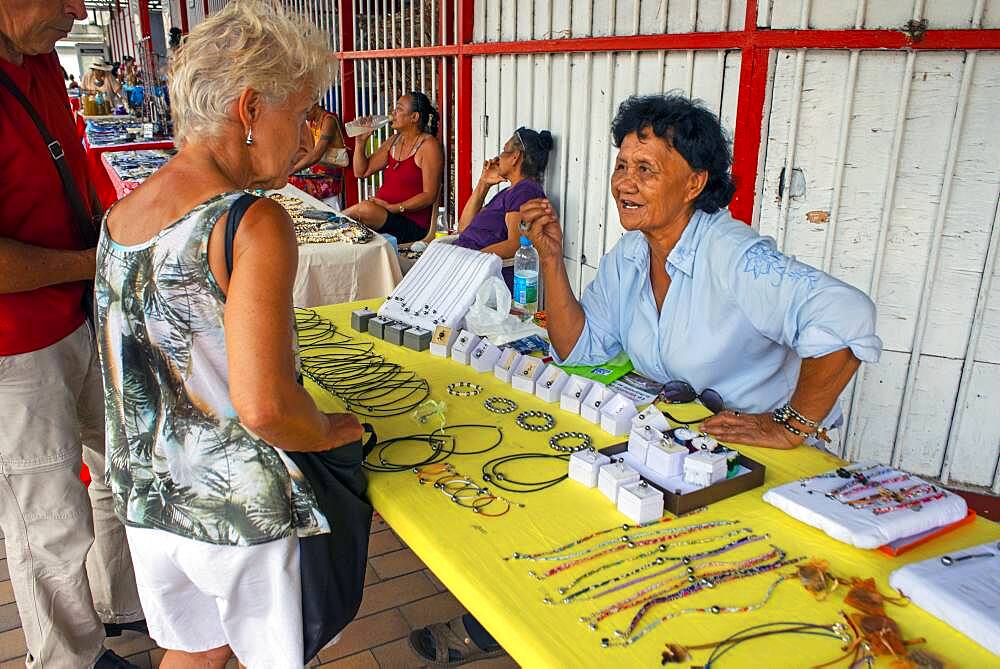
(67,555)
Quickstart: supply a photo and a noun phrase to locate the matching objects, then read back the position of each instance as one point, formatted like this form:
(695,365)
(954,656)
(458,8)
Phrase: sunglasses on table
(681,392)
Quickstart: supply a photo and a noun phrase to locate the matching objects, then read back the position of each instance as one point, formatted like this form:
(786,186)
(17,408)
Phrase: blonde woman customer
(199,366)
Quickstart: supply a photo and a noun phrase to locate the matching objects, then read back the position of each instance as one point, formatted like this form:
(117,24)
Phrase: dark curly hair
(692,130)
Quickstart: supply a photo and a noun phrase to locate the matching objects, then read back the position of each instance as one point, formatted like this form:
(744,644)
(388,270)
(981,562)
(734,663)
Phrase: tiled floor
(400,595)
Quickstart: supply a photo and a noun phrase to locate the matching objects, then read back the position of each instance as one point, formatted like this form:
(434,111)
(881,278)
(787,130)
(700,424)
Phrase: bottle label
(525,289)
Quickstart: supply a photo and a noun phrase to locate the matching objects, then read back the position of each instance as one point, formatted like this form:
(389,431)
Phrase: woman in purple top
(494,228)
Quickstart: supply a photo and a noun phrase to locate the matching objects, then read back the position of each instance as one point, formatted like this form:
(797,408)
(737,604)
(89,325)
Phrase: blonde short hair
(255,44)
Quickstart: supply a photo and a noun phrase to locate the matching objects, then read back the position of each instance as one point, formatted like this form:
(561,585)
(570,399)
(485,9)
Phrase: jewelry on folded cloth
(464,389)
(556,442)
(871,484)
(915,505)
(501,405)
(948,560)
(887,495)
(525,421)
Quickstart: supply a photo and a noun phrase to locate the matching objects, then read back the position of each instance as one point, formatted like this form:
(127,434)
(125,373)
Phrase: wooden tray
(678,503)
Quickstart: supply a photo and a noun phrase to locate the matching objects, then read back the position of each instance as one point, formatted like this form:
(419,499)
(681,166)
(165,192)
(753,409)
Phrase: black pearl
(715,609)
(605,642)
(486,477)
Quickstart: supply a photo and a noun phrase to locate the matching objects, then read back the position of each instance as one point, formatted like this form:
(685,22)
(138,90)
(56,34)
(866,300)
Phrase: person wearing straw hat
(100,80)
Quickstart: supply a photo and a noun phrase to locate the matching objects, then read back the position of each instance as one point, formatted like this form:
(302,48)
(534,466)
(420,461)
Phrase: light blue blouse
(738,317)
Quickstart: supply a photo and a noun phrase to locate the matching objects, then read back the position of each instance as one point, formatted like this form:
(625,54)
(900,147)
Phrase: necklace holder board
(440,288)
(869,505)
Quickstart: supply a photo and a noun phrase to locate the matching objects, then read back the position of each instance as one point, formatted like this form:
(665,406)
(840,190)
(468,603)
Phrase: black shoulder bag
(331,566)
(84,218)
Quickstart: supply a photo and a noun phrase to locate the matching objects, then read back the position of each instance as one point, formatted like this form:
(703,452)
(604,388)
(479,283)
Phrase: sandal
(452,644)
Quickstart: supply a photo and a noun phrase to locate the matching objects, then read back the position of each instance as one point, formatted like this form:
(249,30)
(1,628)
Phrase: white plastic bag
(490,315)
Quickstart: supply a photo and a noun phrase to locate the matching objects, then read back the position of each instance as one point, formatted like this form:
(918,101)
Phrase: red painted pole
(206,8)
(749,119)
(463,104)
(144,25)
(184,16)
(347,94)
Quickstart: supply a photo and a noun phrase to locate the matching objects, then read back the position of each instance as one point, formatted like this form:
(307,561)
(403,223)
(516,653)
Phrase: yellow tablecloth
(465,550)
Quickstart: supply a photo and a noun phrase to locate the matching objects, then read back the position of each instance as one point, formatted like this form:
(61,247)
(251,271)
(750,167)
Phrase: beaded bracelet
(464,389)
(555,442)
(500,405)
(548,419)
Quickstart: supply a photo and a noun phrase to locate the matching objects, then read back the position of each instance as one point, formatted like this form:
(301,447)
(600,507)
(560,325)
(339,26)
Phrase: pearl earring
(250,137)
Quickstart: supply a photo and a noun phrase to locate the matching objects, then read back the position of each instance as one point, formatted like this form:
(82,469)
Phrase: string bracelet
(464,389)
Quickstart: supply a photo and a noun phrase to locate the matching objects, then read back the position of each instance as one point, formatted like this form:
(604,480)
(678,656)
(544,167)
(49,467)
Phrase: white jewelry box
(704,442)
(461,350)
(640,439)
(666,458)
(704,468)
(613,476)
(574,391)
(484,356)
(584,466)
(617,413)
(526,373)
(651,416)
(550,383)
(441,341)
(505,364)
(595,398)
(641,502)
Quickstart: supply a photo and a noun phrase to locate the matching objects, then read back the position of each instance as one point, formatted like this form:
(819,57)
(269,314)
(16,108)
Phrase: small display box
(376,326)
(574,392)
(461,350)
(703,468)
(617,414)
(551,383)
(641,439)
(613,476)
(526,373)
(680,497)
(393,333)
(666,457)
(596,397)
(485,356)
(504,367)
(441,341)
(417,339)
(641,502)
(652,417)
(584,466)
(360,318)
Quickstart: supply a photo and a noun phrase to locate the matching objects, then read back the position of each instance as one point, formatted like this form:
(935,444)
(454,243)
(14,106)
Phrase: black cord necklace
(493,476)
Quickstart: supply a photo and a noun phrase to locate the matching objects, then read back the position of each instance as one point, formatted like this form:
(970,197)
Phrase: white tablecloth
(332,273)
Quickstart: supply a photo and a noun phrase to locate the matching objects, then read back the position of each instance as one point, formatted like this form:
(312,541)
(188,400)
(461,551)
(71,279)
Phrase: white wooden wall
(897,149)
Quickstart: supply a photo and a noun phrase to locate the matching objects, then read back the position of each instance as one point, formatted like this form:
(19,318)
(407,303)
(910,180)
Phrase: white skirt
(198,596)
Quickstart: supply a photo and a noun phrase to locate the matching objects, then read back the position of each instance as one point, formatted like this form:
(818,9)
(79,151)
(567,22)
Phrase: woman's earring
(250,137)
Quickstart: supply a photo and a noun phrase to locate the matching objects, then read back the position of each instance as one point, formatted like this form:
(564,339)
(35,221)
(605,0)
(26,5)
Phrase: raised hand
(491,174)
(540,224)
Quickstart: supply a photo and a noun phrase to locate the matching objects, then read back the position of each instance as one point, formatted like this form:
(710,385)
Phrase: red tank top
(401,180)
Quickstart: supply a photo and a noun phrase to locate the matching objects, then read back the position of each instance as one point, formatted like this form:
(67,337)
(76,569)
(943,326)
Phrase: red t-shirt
(33,205)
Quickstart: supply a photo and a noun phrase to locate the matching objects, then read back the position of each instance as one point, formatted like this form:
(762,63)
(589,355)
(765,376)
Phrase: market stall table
(466,550)
(335,272)
(102,182)
(126,183)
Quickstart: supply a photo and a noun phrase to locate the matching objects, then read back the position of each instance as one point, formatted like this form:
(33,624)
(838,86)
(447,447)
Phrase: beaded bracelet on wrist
(464,389)
(800,418)
(523,421)
(500,405)
(556,442)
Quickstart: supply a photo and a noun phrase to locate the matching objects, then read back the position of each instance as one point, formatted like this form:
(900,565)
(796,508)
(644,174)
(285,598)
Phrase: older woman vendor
(691,294)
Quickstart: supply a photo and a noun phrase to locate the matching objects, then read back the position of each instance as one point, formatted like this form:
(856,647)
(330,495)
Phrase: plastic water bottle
(363,124)
(526,277)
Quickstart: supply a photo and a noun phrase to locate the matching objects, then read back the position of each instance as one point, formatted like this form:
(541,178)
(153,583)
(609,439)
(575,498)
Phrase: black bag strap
(236,212)
(82,214)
